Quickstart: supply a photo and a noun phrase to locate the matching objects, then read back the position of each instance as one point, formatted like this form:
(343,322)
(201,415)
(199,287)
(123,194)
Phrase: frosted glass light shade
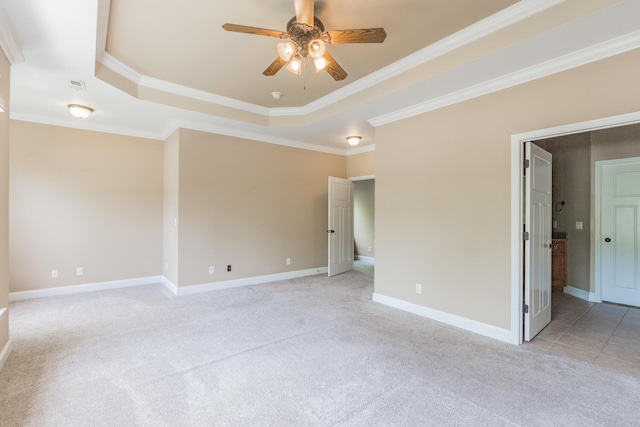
(354,140)
(320,63)
(317,48)
(80,111)
(295,66)
(286,50)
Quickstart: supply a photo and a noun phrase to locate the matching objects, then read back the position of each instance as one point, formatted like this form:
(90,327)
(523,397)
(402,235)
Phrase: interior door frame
(517,203)
(598,218)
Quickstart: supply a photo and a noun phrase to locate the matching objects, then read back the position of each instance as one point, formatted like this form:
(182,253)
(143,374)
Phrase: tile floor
(607,335)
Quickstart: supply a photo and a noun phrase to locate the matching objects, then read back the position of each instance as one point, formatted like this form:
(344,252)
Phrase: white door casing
(340,231)
(537,248)
(618,237)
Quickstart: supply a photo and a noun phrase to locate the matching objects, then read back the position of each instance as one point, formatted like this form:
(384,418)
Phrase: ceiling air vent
(78,85)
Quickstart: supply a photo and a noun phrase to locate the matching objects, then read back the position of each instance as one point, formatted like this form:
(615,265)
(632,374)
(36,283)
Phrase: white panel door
(620,238)
(537,280)
(340,230)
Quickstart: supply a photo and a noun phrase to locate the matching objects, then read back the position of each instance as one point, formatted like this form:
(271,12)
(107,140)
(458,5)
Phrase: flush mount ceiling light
(308,39)
(80,111)
(354,140)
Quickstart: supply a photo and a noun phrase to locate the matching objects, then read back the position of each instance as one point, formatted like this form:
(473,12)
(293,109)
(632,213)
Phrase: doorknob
(607,239)
(331,231)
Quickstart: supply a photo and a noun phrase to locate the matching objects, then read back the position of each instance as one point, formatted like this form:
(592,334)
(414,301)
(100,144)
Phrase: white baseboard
(88,287)
(490,331)
(247,281)
(4,354)
(170,286)
(581,293)
(365,258)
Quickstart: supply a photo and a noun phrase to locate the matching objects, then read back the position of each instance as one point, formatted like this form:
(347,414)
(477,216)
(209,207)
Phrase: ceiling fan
(307,38)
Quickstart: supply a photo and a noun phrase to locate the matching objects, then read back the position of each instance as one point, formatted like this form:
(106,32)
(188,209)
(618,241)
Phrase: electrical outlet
(288,261)
(369,248)
(229,267)
(79,271)
(418,288)
(54,274)
(578,225)
(211,269)
(166,266)
(555,224)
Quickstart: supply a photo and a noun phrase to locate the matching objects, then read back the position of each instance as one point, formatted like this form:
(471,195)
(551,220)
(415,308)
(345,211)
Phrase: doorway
(614,124)
(364,225)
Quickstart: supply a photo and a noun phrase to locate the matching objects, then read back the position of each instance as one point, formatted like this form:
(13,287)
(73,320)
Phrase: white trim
(360,150)
(240,133)
(4,354)
(201,95)
(170,286)
(104,7)
(120,68)
(362,178)
(8,42)
(502,19)
(517,218)
(84,125)
(88,287)
(580,293)
(490,331)
(597,221)
(172,127)
(248,281)
(365,258)
(575,59)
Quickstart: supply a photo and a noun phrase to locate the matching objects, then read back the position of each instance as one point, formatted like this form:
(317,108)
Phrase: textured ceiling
(183,42)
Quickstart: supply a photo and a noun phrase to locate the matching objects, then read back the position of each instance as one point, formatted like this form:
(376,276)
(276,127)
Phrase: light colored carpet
(310,351)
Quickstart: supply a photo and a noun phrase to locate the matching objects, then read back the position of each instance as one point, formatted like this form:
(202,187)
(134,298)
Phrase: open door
(340,230)
(537,240)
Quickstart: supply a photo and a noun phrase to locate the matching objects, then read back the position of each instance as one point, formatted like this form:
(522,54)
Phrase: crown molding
(104,6)
(8,42)
(119,67)
(85,125)
(201,95)
(171,127)
(360,150)
(238,133)
(575,59)
(509,16)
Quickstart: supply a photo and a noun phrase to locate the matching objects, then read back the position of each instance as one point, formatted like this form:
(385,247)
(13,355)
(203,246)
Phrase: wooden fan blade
(334,69)
(362,35)
(304,11)
(254,30)
(274,67)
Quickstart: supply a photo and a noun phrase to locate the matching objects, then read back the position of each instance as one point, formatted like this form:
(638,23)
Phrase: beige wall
(83,199)
(171,187)
(4,200)
(363,164)
(364,217)
(453,235)
(250,205)
(572,184)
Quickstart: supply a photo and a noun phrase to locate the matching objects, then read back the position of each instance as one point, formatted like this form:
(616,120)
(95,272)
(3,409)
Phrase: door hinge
(526,163)
(525,308)
(525,236)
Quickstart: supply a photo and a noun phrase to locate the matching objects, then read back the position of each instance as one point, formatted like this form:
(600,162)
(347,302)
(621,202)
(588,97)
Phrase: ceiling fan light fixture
(295,65)
(286,50)
(317,48)
(354,140)
(320,63)
(80,111)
